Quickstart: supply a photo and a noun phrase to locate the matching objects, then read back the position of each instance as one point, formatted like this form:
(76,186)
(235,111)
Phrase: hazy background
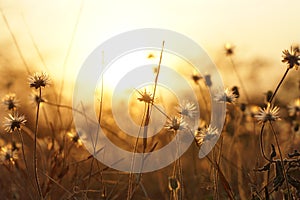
(260,30)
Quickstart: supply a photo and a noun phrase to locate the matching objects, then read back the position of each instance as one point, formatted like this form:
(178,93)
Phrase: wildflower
(268,96)
(187,109)
(208,80)
(146,97)
(155,70)
(229,49)
(243,107)
(39,80)
(174,184)
(294,108)
(10,101)
(150,56)
(36,99)
(291,57)
(226,96)
(206,134)
(7,155)
(196,78)
(175,124)
(235,90)
(270,113)
(14,122)
(74,137)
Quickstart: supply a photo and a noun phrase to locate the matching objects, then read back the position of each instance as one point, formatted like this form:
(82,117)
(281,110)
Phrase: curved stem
(261,143)
(23,151)
(281,159)
(279,84)
(35,147)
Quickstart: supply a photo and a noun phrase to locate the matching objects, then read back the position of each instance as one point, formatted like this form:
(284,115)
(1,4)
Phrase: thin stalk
(23,151)
(205,101)
(281,159)
(24,158)
(239,78)
(35,147)
(261,143)
(279,84)
(130,179)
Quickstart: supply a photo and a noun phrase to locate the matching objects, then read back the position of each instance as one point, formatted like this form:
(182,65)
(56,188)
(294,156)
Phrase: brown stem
(35,147)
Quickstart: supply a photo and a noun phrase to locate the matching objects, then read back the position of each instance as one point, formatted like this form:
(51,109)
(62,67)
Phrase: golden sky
(256,28)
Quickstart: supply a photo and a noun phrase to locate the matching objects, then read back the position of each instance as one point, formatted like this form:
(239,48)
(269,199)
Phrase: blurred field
(248,161)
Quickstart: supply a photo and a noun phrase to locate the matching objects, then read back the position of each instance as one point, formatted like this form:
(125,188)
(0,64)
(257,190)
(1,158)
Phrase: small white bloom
(187,109)
(10,101)
(39,80)
(13,122)
(226,96)
(7,155)
(206,134)
(145,97)
(175,123)
(270,113)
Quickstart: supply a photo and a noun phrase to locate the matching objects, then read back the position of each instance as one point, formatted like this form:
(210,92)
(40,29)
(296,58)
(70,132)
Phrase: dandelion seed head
(10,101)
(74,137)
(14,122)
(206,134)
(270,113)
(187,109)
(39,80)
(7,155)
(146,97)
(226,96)
(291,57)
(175,124)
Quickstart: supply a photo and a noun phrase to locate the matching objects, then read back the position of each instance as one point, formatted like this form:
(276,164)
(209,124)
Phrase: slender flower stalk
(35,147)
(23,150)
(292,59)
(229,51)
(37,81)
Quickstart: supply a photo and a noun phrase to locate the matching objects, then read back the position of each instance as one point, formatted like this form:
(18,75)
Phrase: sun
(126,65)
